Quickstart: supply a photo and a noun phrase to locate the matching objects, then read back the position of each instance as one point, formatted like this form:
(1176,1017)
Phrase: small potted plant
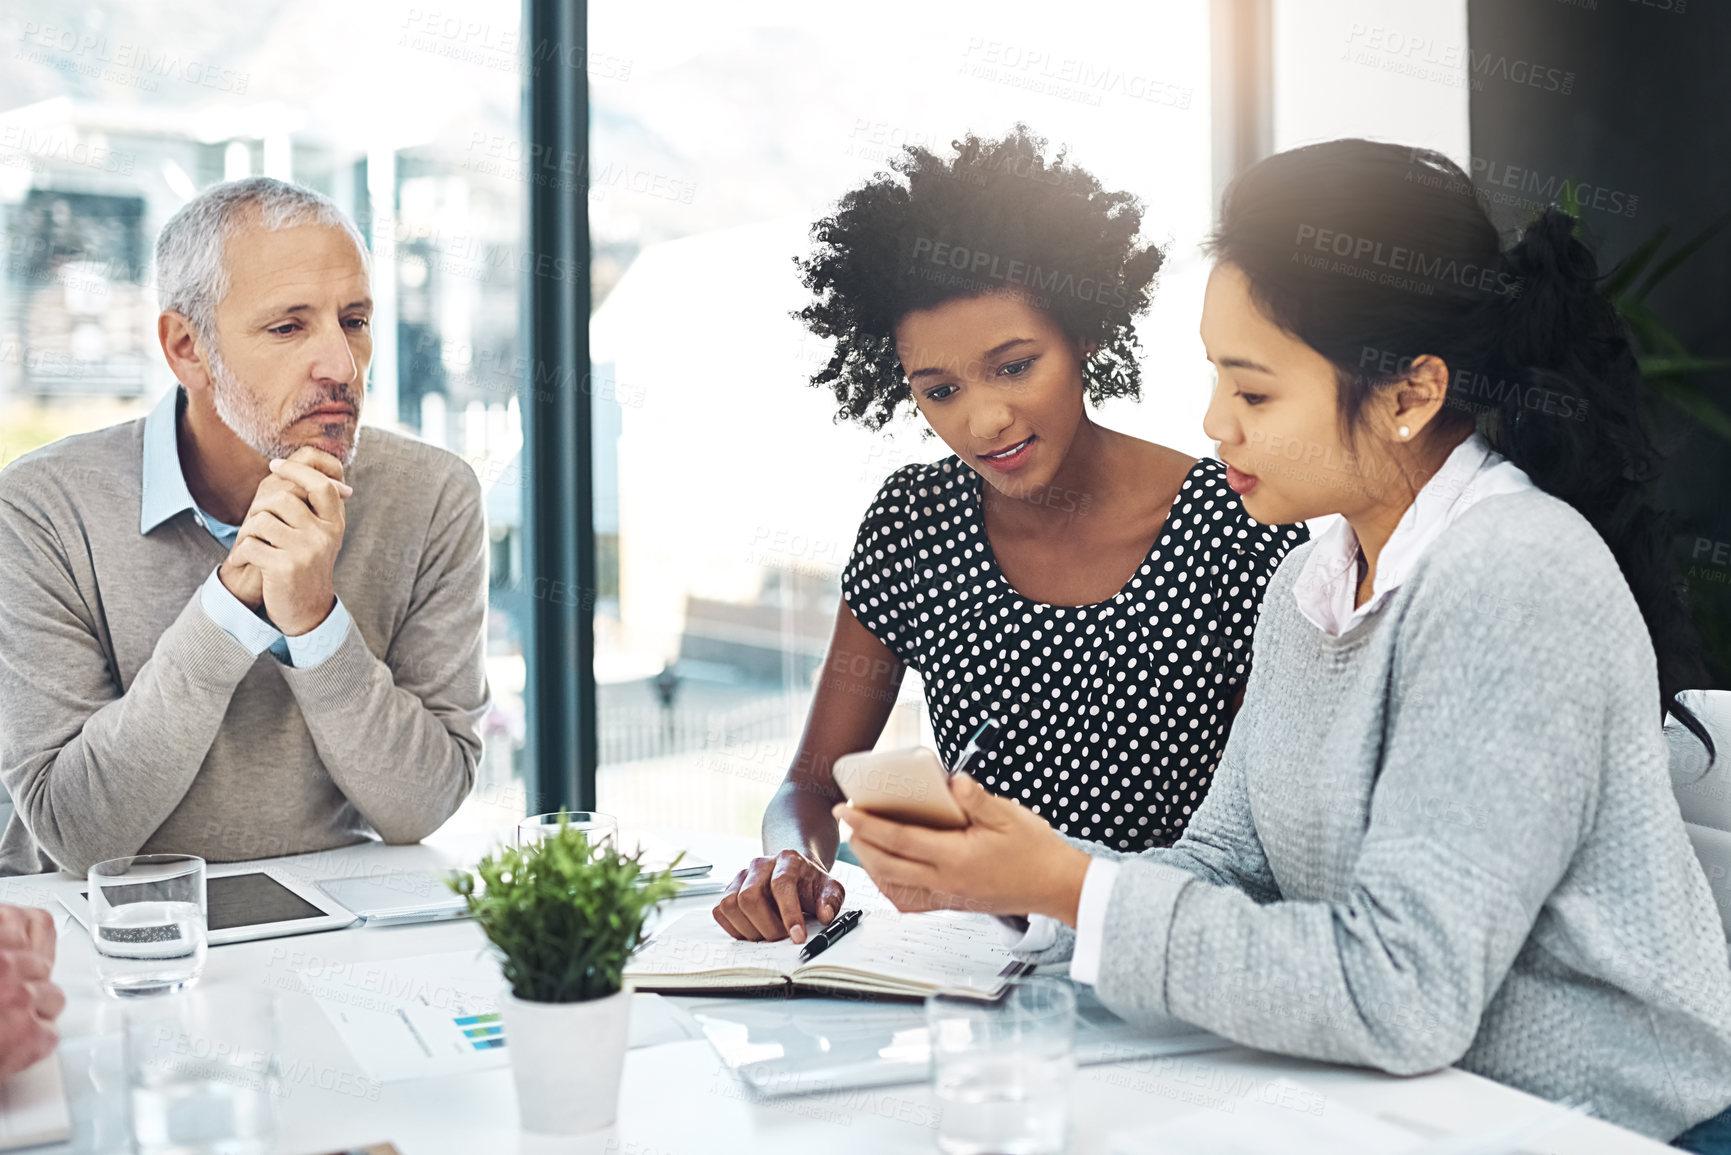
(565,916)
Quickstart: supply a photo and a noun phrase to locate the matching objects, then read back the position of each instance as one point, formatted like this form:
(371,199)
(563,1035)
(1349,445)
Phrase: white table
(678,1099)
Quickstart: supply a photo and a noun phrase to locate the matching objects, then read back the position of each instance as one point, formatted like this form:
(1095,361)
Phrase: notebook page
(695,944)
(944,948)
(947,949)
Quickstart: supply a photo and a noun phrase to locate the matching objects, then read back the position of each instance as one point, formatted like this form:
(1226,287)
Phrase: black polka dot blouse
(1116,712)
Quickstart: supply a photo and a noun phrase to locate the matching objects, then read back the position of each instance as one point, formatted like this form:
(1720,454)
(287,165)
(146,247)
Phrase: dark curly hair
(998,218)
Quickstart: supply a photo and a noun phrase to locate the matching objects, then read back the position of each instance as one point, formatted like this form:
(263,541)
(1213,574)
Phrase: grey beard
(241,412)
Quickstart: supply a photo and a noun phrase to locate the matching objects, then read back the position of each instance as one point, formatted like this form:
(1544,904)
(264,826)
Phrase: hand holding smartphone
(902,785)
(911,785)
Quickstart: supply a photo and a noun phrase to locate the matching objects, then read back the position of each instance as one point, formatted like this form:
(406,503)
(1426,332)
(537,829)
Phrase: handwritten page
(945,949)
(889,951)
(695,944)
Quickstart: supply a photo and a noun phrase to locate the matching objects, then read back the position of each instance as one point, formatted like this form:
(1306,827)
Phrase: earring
(1405,433)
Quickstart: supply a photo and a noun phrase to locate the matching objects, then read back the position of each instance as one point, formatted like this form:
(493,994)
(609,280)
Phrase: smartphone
(909,786)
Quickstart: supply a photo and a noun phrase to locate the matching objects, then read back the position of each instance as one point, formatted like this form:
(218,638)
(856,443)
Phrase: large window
(114,114)
(727,498)
(1383,69)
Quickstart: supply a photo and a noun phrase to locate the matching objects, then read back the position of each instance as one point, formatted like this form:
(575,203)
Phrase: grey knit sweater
(1448,836)
(131,722)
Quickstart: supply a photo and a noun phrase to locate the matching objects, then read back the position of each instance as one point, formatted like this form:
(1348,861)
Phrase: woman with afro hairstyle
(1093,592)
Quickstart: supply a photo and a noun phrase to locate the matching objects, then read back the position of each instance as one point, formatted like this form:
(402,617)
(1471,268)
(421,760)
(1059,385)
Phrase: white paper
(1280,1117)
(1276,1117)
(438,1014)
(33,1106)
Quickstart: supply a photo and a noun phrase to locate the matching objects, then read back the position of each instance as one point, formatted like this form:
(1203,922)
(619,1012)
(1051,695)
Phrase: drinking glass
(600,828)
(147,921)
(1001,1071)
(202,1072)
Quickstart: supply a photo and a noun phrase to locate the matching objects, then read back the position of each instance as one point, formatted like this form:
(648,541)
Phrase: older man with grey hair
(243,625)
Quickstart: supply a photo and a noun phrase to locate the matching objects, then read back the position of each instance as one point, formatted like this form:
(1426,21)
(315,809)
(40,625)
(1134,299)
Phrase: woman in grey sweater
(1442,831)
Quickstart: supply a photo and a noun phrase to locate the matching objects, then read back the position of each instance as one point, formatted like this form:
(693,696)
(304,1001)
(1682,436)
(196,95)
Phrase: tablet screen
(248,899)
(233,900)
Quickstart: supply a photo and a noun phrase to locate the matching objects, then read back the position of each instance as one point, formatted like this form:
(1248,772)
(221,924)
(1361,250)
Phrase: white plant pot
(567,1059)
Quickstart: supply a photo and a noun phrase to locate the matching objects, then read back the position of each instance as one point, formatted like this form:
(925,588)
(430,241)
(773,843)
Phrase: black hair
(1374,254)
(998,217)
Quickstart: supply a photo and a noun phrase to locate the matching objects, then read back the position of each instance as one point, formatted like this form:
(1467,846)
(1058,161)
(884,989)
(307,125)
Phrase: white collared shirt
(1328,584)
(1325,588)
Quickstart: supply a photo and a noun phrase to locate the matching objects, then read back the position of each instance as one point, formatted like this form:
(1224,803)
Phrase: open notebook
(888,955)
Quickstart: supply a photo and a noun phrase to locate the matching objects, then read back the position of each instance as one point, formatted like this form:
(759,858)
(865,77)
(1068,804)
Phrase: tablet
(243,904)
(397,896)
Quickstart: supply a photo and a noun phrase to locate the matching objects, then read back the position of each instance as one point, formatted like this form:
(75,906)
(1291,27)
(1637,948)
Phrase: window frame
(560,740)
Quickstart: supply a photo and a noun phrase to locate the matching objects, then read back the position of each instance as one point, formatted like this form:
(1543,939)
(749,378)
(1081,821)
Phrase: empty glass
(600,828)
(202,1072)
(1002,1071)
(147,921)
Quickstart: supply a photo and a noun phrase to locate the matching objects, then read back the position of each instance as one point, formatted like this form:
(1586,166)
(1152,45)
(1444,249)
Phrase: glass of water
(1002,1071)
(147,920)
(599,828)
(202,1072)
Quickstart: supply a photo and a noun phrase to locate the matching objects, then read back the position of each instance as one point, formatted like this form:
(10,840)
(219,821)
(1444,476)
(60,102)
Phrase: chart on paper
(438,1014)
(414,1017)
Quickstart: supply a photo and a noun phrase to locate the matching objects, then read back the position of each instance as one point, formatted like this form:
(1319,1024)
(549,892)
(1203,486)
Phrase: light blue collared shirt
(166,494)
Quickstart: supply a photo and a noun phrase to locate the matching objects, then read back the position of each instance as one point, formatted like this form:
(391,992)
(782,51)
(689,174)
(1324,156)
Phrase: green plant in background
(1670,370)
(1672,373)
(565,915)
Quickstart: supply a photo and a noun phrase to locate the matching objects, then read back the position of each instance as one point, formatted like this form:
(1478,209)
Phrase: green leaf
(1691,401)
(1624,275)
(1689,248)
(1651,334)
(1677,366)
(1571,202)
(566,916)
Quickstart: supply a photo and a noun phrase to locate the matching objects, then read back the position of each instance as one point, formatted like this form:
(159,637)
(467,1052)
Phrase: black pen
(826,938)
(984,740)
